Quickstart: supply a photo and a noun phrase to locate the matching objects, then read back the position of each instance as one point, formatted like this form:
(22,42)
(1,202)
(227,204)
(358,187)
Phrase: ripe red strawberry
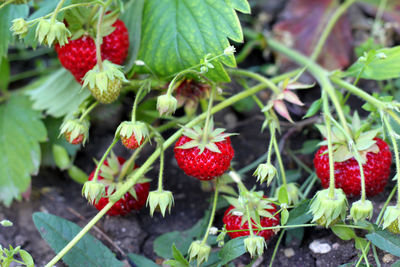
(208,164)
(79,56)
(127,203)
(234,222)
(347,173)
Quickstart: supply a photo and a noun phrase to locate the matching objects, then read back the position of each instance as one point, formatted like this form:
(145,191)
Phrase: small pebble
(318,247)
(388,258)
(289,252)
(335,246)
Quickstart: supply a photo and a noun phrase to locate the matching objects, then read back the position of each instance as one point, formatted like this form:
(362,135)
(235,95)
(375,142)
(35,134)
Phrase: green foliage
(386,241)
(300,214)
(179,260)
(57,94)
(132,18)
(177,34)
(231,250)
(4,73)
(382,64)
(7,14)
(21,130)
(314,108)
(88,252)
(141,261)
(7,257)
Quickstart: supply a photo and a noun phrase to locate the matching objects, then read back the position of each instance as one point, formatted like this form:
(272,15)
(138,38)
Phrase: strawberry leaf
(382,64)
(21,130)
(178,34)
(87,252)
(57,94)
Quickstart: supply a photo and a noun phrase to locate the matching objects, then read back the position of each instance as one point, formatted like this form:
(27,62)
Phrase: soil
(54,192)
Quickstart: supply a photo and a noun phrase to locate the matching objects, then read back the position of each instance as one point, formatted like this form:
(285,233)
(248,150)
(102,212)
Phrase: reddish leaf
(301,25)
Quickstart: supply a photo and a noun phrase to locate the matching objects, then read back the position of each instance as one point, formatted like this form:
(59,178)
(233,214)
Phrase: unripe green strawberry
(110,95)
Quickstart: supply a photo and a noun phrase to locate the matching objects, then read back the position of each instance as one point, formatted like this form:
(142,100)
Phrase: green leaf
(396,264)
(7,15)
(284,216)
(283,195)
(300,214)
(309,146)
(241,5)
(385,241)
(141,261)
(246,104)
(26,258)
(58,94)
(4,74)
(343,232)
(376,68)
(178,34)
(133,20)
(314,108)
(87,252)
(21,130)
(233,248)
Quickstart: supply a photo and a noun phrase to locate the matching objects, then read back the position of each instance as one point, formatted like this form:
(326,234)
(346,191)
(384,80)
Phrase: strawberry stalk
(207,123)
(271,142)
(96,173)
(145,85)
(249,221)
(280,162)
(98,38)
(58,7)
(396,155)
(88,110)
(212,215)
(327,117)
(160,174)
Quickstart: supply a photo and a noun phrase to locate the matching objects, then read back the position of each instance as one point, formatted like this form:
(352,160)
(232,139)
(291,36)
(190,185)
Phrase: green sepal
(75,127)
(138,129)
(392,213)
(199,251)
(160,200)
(361,210)
(255,245)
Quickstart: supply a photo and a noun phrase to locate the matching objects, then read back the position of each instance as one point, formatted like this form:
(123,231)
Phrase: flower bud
(230,50)
(160,200)
(19,27)
(166,104)
(255,245)
(93,191)
(391,219)
(265,172)
(199,251)
(327,210)
(361,210)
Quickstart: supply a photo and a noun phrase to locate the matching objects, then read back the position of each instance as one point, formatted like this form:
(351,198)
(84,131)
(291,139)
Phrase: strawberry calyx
(361,141)
(104,80)
(109,175)
(75,130)
(252,203)
(205,138)
(391,219)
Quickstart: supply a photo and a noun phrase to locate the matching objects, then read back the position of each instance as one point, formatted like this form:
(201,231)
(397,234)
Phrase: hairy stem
(137,98)
(160,174)
(214,208)
(99,39)
(54,16)
(207,124)
(96,173)
(88,110)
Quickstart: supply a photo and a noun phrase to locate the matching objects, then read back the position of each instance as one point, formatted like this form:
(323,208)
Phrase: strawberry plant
(170,68)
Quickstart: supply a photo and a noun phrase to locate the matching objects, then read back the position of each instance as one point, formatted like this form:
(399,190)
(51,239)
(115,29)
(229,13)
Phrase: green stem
(330,148)
(328,28)
(175,79)
(396,155)
(358,158)
(54,16)
(98,38)
(276,248)
(6,3)
(320,74)
(160,174)
(150,160)
(96,173)
(88,110)
(255,76)
(271,142)
(207,124)
(135,103)
(249,221)
(75,240)
(280,162)
(214,208)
